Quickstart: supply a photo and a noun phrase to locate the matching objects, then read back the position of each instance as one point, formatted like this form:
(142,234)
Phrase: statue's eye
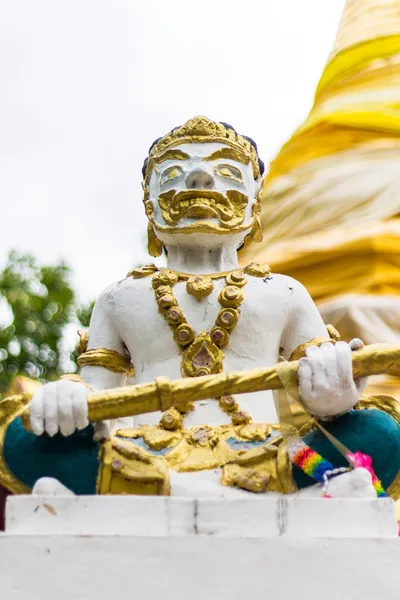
(170,174)
(230,172)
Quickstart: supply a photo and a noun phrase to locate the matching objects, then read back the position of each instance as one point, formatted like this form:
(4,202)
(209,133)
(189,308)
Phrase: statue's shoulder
(143,271)
(291,291)
(283,285)
(134,279)
(132,283)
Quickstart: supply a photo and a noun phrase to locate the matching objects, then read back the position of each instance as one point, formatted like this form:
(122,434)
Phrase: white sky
(87,85)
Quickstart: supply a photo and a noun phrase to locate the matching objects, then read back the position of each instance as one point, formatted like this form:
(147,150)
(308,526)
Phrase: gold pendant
(199,286)
(202,357)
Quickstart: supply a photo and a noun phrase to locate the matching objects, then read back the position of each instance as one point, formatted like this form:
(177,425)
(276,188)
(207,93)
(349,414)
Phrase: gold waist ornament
(252,457)
(138,460)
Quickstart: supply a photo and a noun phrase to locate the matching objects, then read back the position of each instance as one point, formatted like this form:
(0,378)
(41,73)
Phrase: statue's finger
(65,416)
(80,406)
(316,361)
(344,363)
(330,363)
(305,378)
(356,344)
(50,409)
(36,412)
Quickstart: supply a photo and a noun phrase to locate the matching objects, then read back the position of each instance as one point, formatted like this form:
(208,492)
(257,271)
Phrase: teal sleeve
(73,460)
(369,431)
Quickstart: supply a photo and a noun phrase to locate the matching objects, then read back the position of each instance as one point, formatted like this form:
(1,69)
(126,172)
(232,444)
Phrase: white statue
(204,315)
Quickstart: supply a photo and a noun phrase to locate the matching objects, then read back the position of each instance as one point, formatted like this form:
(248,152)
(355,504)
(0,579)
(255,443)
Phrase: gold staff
(161,394)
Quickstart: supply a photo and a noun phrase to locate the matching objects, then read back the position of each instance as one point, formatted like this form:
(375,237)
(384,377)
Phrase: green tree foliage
(42,302)
(84,312)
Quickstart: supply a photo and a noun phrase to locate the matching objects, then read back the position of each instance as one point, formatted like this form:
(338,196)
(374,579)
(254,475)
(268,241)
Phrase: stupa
(331,201)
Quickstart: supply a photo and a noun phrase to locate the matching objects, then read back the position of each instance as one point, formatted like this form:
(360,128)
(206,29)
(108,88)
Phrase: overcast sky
(87,85)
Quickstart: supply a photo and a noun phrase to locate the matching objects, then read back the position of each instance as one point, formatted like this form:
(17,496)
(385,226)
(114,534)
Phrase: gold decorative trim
(266,469)
(10,409)
(109,359)
(333,333)
(387,404)
(202,227)
(154,245)
(186,276)
(144,271)
(199,286)
(126,469)
(300,351)
(200,130)
(83,341)
(230,154)
(76,379)
(257,269)
(394,488)
(171,277)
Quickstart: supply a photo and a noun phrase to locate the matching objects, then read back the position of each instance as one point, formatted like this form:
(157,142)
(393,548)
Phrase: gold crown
(201,129)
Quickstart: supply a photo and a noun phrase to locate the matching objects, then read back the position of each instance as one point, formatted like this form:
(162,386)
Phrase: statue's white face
(202,187)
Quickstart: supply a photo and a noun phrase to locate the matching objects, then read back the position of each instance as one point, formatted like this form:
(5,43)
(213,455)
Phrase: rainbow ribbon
(314,465)
(309,461)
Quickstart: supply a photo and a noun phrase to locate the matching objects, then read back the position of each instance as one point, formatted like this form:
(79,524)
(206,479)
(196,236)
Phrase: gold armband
(109,359)
(300,351)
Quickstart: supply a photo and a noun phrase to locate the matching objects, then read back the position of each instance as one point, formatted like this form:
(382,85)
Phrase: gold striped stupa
(331,200)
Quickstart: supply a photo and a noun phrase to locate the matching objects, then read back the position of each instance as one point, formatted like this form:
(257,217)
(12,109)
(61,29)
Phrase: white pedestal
(149,547)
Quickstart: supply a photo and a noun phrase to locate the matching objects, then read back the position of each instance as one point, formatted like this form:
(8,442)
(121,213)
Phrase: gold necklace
(201,285)
(202,353)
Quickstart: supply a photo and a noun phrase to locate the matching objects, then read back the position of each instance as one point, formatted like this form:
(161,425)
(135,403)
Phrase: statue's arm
(61,406)
(304,323)
(326,383)
(104,334)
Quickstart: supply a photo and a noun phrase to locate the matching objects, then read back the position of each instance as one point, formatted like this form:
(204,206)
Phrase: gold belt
(137,461)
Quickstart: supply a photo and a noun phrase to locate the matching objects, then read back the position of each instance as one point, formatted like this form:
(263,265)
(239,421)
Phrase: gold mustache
(228,209)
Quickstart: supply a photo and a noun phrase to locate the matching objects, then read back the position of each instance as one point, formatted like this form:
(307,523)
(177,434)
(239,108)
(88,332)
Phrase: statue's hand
(326,382)
(59,406)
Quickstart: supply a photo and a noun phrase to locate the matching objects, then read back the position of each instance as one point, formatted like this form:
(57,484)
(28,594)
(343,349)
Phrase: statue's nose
(199,180)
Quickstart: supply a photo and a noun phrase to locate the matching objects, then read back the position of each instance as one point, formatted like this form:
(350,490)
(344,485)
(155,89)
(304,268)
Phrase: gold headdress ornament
(201,129)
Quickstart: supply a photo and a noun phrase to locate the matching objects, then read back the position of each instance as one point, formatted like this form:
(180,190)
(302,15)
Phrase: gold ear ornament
(256,230)
(154,245)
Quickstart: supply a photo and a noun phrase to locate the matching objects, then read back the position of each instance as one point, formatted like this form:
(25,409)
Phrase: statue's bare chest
(255,340)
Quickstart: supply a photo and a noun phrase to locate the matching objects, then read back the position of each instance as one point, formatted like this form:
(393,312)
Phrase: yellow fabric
(341,169)
(363,265)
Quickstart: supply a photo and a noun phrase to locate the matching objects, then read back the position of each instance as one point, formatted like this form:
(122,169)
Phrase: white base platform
(256,516)
(136,547)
